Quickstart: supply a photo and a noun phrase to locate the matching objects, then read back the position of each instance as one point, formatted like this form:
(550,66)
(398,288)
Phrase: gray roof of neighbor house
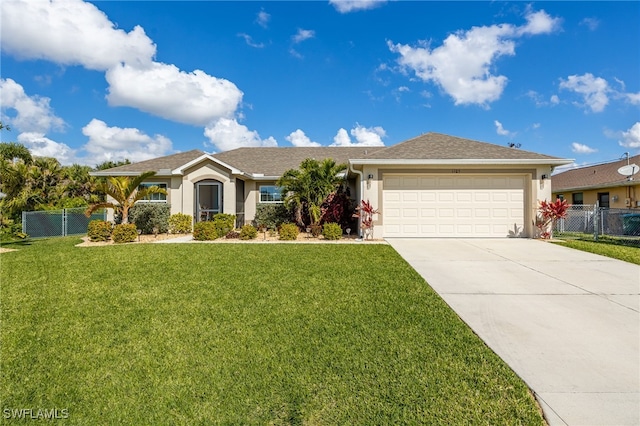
(274,161)
(436,146)
(597,176)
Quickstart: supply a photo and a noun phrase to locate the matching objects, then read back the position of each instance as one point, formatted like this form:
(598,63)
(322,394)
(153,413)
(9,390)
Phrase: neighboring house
(600,183)
(433,185)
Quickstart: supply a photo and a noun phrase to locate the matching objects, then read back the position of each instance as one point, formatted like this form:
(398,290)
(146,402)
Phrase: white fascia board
(259,176)
(102,173)
(180,170)
(462,162)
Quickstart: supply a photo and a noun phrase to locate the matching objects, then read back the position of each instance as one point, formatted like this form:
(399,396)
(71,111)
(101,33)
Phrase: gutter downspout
(361,174)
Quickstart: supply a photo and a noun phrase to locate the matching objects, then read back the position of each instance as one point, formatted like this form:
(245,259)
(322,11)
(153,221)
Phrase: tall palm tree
(307,188)
(125,191)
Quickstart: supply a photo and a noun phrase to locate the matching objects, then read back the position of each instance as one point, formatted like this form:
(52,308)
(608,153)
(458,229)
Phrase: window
(577,198)
(560,197)
(154,198)
(603,199)
(270,194)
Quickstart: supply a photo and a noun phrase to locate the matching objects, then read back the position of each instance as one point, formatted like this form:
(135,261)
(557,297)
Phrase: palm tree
(125,191)
(307,188)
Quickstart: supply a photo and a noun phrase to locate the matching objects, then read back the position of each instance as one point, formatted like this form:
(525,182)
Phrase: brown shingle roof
(168,162)
(275,161)
(601,175)
(436,146)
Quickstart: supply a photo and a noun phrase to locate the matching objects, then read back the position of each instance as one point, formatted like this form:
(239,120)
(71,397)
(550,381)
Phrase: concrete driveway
(567,322)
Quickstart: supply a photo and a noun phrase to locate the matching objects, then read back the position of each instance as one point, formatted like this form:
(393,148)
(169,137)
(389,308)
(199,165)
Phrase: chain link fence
(593,222)
(58,223)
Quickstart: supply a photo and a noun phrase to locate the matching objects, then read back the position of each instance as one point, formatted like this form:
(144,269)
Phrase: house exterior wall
(536,189)
(207,171)
(590,196)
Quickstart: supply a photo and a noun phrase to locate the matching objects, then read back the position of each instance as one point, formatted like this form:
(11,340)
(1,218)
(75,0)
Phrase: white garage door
(452,206)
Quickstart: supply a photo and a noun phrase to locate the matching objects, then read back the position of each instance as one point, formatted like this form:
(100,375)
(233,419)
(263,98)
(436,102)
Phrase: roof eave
(599,186)
(477,161)
(180,170)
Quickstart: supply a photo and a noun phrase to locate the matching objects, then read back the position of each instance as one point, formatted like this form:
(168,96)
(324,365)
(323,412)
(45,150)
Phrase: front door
(603,199)
(208,199)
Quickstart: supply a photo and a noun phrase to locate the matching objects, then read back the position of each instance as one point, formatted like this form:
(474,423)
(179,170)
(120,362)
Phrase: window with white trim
(154,198)
(270,194)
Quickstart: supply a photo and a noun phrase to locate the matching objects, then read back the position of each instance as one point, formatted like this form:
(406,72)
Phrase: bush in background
(147,216)
(99,230)
(271,216)
(224,223)
(248,232)
(232,235)
(180,223)
(205,231)
(332,231)
(124,233)
(288,232)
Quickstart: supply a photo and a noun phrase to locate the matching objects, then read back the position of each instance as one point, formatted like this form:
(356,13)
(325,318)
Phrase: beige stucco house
(600,184)
(433,185)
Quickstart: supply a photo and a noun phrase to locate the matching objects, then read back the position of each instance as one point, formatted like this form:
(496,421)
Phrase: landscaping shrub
(316,229)
(224,223)
(232,235)
(248,232)
(332,231)
(99,230)
(205,231)
(124,233)
(180,223)
(271,216)
(289,231)
(147,216)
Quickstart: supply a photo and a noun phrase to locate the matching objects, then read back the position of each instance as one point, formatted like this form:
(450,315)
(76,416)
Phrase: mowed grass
(204,334)
(608,249)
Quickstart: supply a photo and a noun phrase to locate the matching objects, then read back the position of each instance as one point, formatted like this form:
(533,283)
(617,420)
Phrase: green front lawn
(159,334)
(605,248)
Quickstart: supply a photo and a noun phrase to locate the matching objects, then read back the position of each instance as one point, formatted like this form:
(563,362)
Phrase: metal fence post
(596,219)
(24,222)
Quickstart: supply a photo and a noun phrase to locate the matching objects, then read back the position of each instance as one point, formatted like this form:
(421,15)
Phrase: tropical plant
(205,231)
(288,232)
(332,231)
(548,214)
(125,191)
(248,232)
(124,233)
(180,223)
(306,188)
(99,230)
(365,212)
(150,218)
(271,215)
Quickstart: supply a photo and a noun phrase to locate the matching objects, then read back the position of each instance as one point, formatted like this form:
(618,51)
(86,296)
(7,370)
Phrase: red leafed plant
(365,212)
(548,214)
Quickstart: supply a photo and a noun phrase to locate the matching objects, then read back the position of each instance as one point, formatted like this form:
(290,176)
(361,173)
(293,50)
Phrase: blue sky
(93,81)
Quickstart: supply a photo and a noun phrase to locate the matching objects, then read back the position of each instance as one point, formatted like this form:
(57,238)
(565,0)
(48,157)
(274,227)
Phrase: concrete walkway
(566,321)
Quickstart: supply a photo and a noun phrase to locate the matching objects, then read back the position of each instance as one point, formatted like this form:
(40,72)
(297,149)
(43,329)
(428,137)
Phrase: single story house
(600,184)
(433,185)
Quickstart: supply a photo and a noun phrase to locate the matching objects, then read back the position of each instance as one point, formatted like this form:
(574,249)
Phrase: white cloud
(249,40)
(593,90)
(263,19)
(226,134)
(41,146)
(365,136)
(580,148)
(591,23)
(633,98)
(500,129)
(70,32)
(163,90)
(346,6)
(631,138)
(33,113)
(536,125)
(116,143)
(462,65)
(298,138)
(555,100)
(303,35)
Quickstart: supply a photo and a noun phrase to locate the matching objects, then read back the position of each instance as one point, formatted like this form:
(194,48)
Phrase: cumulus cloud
(462,65)
(263,19)
(226,134)
(364,136)
(580,148)
(302,35)
(163,90)
(298,138)
(500,129)
(70,32)
(346,6)
(116,143)
(592,89)
(555,100)
(633,98)
(631,137)
(41,146)
(32,113)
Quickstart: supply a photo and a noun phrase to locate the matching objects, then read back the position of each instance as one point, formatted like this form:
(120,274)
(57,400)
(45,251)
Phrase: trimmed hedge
(248,232)
(99,230)
(224,223)
(205,231)
(288,232)
(271,216)
(332,231)
(180,223)
(147,216)
(124,233)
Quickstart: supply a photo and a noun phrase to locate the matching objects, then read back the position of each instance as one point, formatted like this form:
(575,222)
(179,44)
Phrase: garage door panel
(452,206)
